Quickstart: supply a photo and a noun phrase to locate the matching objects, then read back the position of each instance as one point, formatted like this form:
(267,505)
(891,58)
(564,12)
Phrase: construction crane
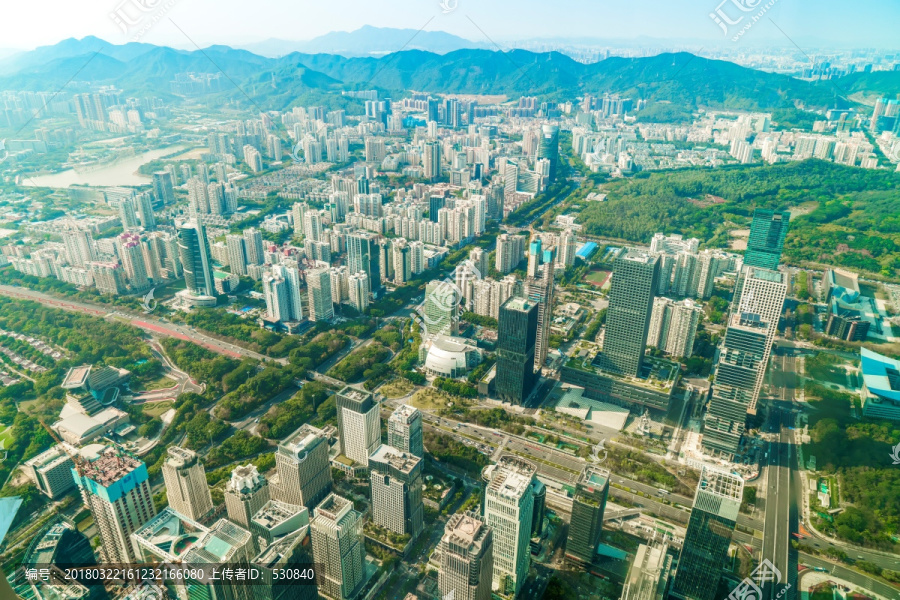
(76,458)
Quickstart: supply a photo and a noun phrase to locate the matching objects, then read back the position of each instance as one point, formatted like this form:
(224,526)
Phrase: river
(120,173)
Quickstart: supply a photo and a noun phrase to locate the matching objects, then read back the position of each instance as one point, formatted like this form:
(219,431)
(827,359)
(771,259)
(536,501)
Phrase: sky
(25,24)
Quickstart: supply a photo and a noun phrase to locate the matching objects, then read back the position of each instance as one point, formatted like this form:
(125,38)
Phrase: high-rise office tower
(116,489)
(359,424)
(442,308)
(337,542)
(588,505)
(435,204)
(276,519)
(539,288)
(467,558)
(549,148)
(362,255)
(290,551)
(508,511)
(405,430)
(253,246)
(321,305)
(705,549)
(396,485)
(743,358)
(237,255)
(517,331)
(304,471)
(766,241)
(193,247)
(635,279)
(245,493)
(648,577)
(431,159)
(163,188)
(186,487)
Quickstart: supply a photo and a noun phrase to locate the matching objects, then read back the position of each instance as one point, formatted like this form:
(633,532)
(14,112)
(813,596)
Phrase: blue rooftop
(586,250)
(881,374)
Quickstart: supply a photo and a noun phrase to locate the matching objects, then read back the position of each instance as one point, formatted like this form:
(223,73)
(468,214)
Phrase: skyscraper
(442,308)
(517,331)
(405,430)
(133,260)
(766,241)
(358,291)
(321,305)
(359,424)
(362,255)
(396,486)
(193,247)
(467,558)
(115,488)
(186,487)
(508,511)
(79,247)
(549,147)
(304,471)
(705,549)
(281,285)
(588,505)
(743,358)
(539,288)
(648,577)
(435,203)
(245,493)
(337,542)
(635,279)
(163,188)
(565,257)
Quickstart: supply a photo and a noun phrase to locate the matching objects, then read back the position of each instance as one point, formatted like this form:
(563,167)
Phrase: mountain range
(301,77)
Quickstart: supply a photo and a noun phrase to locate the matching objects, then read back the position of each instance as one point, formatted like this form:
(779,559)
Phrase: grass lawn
(85,523)
(397,388)
(429,399)
(6,437)
(597,278)
(159,383)
(156,408)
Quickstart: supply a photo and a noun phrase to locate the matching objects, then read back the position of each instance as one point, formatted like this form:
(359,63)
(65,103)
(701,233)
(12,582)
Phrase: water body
(121,173)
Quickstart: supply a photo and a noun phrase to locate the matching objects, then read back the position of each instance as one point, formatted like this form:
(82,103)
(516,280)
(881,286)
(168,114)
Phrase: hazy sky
(28,23)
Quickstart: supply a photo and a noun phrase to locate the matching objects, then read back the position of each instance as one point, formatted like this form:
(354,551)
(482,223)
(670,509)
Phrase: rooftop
(76,377)
(512,476)
(304,439)
(245,477)
(881,375)
(354,394)
(397,460)
(333,507)
(721,483)
(169,535)
(274,513)
(404,413)
(110,466)
(657,374)
(518,303)
(181,457)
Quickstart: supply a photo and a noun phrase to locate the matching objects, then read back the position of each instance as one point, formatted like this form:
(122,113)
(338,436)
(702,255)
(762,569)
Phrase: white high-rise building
(186,487)
(245,493)
(237,255)
(281,285)
(508,511)
(116,490)
(396,485)
(565,255)
(405,430)
(340,284)
(253,246)
(321,306)
(79,247)
(467,558)
(298,214)
(359,424)
(337,544)
(358,291)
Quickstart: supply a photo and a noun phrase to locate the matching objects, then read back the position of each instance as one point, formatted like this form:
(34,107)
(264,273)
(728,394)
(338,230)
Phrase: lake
(121,173)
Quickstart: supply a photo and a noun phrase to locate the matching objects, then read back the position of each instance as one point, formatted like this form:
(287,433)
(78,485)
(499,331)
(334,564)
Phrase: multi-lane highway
(780,511)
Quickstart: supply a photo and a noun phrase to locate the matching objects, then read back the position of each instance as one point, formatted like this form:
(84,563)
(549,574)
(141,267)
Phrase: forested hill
(845,216)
